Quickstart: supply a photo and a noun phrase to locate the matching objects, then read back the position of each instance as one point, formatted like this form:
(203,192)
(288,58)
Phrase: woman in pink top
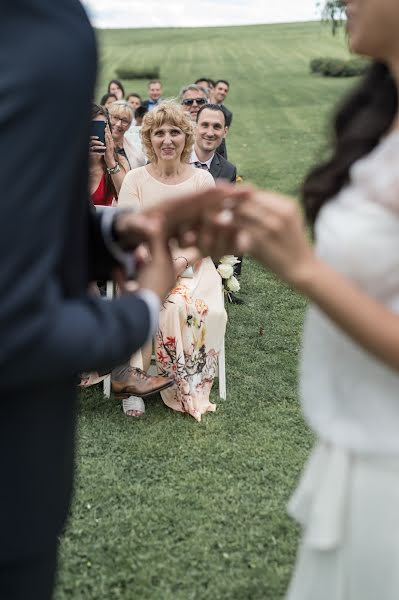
(192,319)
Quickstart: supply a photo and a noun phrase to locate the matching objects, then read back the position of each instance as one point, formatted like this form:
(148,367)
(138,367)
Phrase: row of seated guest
(106,168)
(193,319)
(155,91)
(110,162)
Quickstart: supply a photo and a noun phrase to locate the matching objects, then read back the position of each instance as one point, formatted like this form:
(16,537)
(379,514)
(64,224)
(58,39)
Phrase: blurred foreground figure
(347,501)
(51,246)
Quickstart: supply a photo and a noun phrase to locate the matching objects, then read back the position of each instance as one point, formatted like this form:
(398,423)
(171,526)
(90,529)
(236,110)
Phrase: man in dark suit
(155,94)
(218,95)
(51,246)
(211,129)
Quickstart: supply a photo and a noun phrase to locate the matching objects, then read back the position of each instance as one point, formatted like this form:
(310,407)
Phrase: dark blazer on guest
(222,150)
(51,246)
(222,168)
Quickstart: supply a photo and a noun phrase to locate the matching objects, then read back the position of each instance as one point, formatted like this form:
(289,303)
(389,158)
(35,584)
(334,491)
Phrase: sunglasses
(190,101)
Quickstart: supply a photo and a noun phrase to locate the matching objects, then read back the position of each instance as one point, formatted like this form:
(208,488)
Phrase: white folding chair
(107,381)
(222,373)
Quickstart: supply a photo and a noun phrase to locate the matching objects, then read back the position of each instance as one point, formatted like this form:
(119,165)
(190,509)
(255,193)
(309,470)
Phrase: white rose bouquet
(226,272)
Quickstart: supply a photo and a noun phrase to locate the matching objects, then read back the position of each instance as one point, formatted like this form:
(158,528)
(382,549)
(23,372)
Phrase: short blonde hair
(121,108)
(167,112)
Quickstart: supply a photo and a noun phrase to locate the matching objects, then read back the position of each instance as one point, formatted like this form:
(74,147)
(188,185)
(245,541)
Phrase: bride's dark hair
(361,120)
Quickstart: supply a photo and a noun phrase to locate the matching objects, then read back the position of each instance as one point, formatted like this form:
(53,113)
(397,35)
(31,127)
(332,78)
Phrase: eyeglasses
(190,101)
(124,122)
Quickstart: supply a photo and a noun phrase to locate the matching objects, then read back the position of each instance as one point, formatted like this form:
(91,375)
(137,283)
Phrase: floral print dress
(192,325)
(192,321)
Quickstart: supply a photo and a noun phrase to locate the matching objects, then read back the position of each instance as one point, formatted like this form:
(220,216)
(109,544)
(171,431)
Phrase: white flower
(225,271)
(229,259)
(233,285)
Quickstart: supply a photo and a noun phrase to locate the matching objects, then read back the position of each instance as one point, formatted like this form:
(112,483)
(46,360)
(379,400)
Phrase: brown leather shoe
(135,382)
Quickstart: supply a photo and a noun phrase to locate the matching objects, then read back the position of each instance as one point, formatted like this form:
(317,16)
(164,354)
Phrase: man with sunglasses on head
(192,97)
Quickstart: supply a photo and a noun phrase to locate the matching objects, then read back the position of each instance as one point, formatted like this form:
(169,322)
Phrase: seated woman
(106,168)
(192,319)
(115,87)
(121,116)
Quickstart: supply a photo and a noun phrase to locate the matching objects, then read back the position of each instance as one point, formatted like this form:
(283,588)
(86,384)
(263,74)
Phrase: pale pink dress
(192,321)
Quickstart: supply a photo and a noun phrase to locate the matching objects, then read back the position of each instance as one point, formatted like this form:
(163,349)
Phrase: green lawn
(166,508)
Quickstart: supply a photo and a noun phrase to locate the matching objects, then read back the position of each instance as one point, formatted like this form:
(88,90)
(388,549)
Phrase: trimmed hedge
(335,67)
(126,72)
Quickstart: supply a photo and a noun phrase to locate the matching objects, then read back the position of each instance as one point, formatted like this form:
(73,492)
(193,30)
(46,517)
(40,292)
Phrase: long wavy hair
(360,122)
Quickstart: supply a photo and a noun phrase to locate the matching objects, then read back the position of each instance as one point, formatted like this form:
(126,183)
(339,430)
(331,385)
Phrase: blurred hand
(158,274)
(183,217)
(109,155)
(273,232)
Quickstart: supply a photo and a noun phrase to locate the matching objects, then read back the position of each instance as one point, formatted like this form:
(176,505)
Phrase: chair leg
(107,381)
(222,374)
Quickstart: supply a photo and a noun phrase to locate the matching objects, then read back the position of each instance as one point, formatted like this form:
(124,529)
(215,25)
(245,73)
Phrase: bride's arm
(274,233)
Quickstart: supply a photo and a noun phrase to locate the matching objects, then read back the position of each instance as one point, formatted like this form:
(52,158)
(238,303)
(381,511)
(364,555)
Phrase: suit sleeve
(46,335)
(233,175)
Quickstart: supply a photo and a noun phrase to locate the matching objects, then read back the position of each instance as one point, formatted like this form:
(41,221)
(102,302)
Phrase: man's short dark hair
(134,95)
(210,82)
(214,107)
(222,81)
(140,112)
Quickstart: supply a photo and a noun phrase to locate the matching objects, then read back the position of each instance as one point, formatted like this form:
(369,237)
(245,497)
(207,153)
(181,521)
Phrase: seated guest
(205,83)
(155,94)
(218,96)
(105,172)
(134,100)
(121,116)
(192,97)
(115,87)
(107,100)
(139,115)
(193,319)
(134,130)
(209,133)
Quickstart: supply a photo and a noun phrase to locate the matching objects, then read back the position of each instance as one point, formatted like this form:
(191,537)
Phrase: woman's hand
(184,258)
(97,149)
(273,232)
(109,155)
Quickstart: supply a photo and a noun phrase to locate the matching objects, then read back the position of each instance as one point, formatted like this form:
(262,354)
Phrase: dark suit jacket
(222,150)
(50,247)
(222,168)
(146,103)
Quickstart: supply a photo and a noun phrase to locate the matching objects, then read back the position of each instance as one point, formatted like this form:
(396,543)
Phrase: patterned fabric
(191,331)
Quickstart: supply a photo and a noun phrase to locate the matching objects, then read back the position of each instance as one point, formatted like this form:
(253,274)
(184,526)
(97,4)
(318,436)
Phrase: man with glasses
(192,97)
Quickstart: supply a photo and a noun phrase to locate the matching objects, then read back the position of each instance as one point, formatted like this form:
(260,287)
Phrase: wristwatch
(114,170)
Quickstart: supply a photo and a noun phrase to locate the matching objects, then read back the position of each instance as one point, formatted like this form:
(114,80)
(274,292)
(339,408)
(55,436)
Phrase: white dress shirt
(194,158)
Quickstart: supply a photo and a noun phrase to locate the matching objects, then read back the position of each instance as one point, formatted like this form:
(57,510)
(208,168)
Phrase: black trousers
(30,578)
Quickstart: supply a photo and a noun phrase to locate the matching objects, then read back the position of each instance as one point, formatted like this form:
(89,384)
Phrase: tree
(332,12)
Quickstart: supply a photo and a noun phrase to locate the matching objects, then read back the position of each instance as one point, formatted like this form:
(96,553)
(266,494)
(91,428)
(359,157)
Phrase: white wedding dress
(348,498)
